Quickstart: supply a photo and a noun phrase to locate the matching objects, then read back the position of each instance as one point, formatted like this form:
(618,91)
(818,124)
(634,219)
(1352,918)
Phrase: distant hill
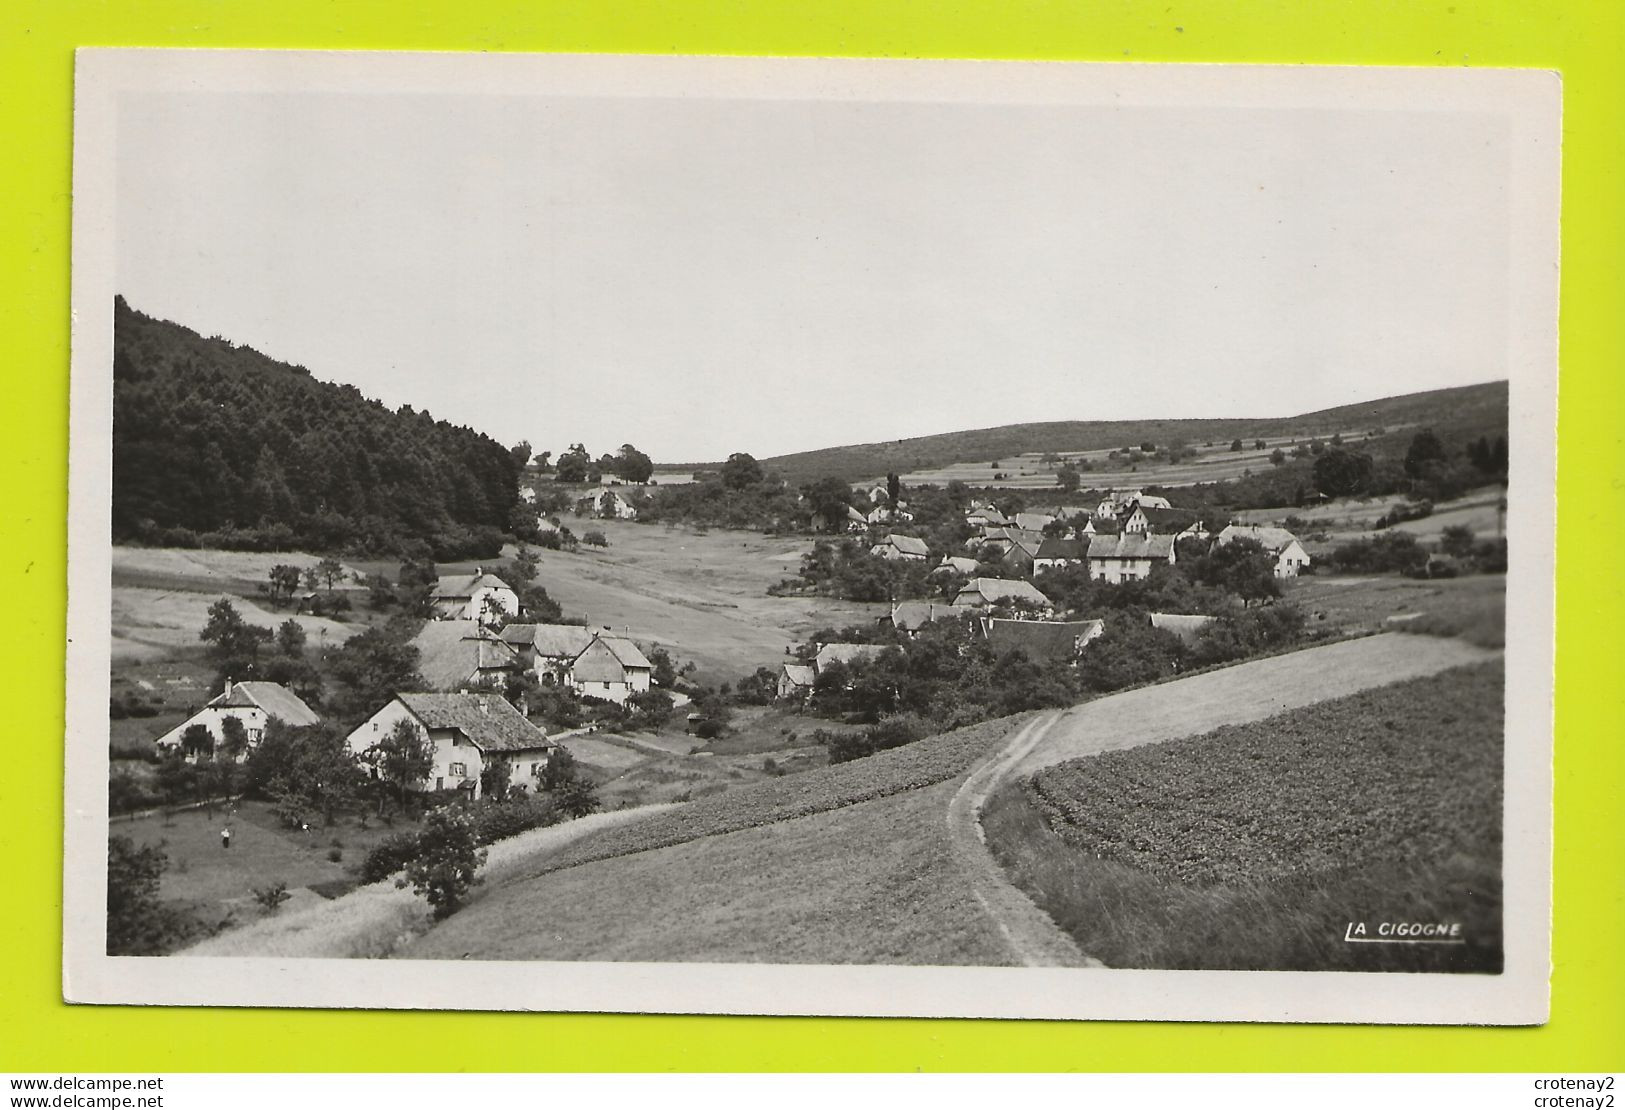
(215,444)
(1458,412)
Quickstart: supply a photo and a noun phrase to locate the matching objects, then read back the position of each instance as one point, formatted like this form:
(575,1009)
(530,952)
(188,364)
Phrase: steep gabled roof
(487,720)
(963,564)
(799,674)
(996,590)
(607,659)
(1032,522)
(452,652)
(1041,640)
(908,545)
(564,641)
(457,587)
(1131,545)
(1169,520)
(275,699)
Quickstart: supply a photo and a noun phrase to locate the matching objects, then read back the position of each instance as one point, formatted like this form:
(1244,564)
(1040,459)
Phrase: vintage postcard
(808,536)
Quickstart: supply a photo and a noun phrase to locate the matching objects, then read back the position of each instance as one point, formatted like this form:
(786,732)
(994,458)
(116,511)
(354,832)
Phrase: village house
(1282,546)
(796,680)
(609,504)
(476,597)
(985,593)
(1015,547)
(856,521)
(885,514)
(251,704)
(1127,557)
(909,617)
(1043,641)
(610,668)
(1178,523)
(901,547)
(1055,553)
(1117,502)
(954,564)
(547,650)
(1187,626)
(878,494)
(454,654)
(467,732)
(1033,522)
(983,515)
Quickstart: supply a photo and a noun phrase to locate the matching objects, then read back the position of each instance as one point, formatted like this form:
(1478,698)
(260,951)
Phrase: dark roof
(1130,545)
(277,700)
(1041,640)
(487,720)
(995,590)
(452,652)
(908,545)
(1057,548)
(1169,520)
(908,615)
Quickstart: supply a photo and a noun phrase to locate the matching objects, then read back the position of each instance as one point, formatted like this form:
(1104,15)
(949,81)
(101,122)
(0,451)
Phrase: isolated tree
(1457,541)
(1277,457)
(894,489)
(330,570)
(447,861)
(234,644)
(543,461)
(1425,447)
(284,581)
(574,464)
(494,779)
(233,738)
(1069,477)
(404,756)
(371,667)
(197,741)
(633,465)
(741,471)
(1259,445)
(521,453)
(290,639)
(1235,445)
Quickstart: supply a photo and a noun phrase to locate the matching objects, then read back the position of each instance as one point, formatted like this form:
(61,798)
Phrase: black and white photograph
(800,536)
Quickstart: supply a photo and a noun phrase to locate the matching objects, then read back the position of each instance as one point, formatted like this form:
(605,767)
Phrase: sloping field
(372,920)
(857,862)
(154,623)
(1243,693)
(703,596)
(1259,846)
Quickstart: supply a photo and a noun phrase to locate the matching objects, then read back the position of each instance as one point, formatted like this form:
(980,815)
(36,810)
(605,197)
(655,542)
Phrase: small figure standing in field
(225,838)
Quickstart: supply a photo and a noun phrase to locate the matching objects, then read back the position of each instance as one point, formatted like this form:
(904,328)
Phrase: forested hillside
(1462,412)
(220,446)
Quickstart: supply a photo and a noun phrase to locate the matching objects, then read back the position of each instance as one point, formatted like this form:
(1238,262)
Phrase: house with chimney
(610,668)
(796,681)
(468,732)
(251,704)
(1128,556)
(480,596)
(993,593)
(455,654)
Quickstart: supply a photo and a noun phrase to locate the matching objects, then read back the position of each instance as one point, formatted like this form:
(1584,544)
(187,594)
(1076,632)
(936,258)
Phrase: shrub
(388,857)
(334,855)
(707,730)
(447,861)
(595,539)
(271,897)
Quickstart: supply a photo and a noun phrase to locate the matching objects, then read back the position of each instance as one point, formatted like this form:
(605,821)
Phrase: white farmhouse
(467,732)
(1127,556)
(547,650)
(610,668)
(473,597)
(252,704)
(1281,545)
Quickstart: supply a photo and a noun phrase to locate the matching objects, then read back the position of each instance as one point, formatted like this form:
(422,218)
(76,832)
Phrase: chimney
(227,691)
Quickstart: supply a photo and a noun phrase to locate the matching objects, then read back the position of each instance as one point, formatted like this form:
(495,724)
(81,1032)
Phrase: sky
(703,276)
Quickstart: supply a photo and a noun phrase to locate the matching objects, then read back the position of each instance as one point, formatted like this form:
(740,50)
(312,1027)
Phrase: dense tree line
(218,445)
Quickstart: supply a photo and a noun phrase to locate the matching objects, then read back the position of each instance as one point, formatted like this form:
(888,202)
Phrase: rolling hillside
(1473,409)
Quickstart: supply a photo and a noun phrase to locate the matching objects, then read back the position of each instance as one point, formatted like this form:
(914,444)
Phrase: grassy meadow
(1255,845)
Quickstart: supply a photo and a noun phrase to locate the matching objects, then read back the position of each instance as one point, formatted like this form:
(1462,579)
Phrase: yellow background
(1586,41)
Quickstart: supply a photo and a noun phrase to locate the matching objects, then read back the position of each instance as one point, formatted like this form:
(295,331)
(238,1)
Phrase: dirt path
(1034,939)
(1185,707)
